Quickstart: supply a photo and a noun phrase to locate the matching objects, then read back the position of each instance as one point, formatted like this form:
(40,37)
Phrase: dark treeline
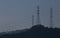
(37,31)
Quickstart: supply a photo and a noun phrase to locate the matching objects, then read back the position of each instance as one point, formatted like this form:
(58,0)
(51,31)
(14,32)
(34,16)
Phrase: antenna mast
(38,19)
(32,20)
(51,18)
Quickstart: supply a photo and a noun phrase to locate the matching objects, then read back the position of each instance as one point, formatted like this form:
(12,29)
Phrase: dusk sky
(17,14)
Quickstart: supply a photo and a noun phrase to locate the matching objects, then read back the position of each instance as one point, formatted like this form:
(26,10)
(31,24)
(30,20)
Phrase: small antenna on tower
(32,20)
(51,18)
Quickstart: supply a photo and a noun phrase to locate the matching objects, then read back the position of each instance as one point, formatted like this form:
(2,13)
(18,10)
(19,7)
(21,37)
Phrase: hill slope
(37,31)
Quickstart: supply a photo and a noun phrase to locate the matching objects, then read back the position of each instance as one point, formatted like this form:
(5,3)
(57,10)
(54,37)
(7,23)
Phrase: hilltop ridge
(37,31)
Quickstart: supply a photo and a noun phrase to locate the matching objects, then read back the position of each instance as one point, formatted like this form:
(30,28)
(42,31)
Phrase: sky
(17,14)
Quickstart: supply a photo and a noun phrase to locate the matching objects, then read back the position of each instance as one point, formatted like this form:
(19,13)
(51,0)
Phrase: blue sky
(17,14)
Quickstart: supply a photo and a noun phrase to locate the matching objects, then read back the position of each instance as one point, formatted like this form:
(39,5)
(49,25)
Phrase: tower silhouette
(51,18)
(32,20)
(38,17)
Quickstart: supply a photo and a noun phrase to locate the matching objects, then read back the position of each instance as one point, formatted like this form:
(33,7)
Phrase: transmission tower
(38,17)
(51,18)
(32,20)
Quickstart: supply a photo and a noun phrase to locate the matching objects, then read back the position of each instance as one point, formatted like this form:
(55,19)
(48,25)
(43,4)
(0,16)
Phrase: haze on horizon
(17,14)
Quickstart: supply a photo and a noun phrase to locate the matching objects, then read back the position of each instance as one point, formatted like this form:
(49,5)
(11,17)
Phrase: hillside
(37,31)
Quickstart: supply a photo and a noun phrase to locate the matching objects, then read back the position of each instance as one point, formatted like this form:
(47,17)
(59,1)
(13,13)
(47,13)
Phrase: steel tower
(32,20)
(38,17)
(51,18)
